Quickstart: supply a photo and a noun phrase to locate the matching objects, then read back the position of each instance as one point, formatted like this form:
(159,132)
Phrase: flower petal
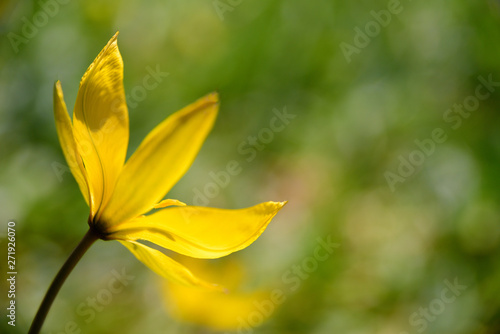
(65,134)
(160,161)
(100,123)
(166,267)
(218,311)
(199,232)
(169,202)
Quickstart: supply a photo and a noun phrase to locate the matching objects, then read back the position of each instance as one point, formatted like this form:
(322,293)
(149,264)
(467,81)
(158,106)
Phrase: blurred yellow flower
(217,311)
(120,194)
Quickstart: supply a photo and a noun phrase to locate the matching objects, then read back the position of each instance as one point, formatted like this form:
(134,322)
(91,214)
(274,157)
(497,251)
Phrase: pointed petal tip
(57,85)
(208,105)
(213,97)
(58,93)
(274,207)
(169,202)
(115,36)
(112,41)
(206,286)
(280,204)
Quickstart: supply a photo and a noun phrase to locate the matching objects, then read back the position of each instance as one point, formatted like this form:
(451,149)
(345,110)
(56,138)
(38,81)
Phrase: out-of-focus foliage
(393,221)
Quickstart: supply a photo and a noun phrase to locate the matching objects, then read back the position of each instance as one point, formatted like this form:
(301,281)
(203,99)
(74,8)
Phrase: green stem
(87,241)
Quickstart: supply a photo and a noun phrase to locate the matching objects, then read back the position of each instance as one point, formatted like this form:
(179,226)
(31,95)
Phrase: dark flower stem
(58,281)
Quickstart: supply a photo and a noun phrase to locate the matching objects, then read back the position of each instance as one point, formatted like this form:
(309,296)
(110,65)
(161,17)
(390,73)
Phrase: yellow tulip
(121,194)
(218,311)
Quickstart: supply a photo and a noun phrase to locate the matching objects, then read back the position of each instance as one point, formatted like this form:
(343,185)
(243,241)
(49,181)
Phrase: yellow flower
(218,311)
(121,194)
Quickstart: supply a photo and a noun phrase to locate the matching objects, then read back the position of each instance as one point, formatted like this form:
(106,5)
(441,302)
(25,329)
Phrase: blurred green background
(361,93)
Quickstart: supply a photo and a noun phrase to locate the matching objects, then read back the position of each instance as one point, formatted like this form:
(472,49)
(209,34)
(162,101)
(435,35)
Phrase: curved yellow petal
(169,202)
(166,267)
(199,232)
(160,161)
(100,123)
(65,134)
